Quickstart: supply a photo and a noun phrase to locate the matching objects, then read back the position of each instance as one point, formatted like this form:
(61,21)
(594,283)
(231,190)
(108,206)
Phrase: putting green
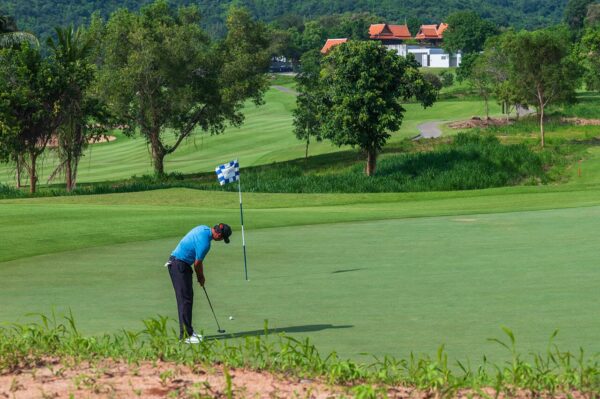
(380,287)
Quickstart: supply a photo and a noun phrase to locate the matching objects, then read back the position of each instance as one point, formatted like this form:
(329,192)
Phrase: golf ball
(230,317)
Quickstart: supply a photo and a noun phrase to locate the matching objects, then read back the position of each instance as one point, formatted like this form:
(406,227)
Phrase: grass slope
(265,137)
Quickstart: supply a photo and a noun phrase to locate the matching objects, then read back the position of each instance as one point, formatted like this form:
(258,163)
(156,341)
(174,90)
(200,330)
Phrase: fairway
(373,286)
(265,137)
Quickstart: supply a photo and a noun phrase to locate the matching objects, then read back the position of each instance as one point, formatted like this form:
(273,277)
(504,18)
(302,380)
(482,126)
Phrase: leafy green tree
(306,121)
(84,116)
(31,95)
(589,50)
(592,19)
(482,80)
(362,86)
(541,68)
(10,35)
(467,32)
(161,73)
(575,13)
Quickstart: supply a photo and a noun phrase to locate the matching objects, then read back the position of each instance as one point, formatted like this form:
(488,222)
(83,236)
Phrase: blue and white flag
(228,173)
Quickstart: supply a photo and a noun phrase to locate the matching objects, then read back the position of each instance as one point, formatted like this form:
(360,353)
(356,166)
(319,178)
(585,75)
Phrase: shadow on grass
(292,329)
(345,271)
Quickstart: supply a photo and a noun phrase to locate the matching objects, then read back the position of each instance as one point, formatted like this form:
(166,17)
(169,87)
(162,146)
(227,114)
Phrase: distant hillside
(40,16)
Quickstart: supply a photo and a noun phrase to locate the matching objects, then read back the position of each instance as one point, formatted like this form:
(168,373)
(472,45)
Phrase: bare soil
(581,121)
(53,142)
(117,379)
(479,122)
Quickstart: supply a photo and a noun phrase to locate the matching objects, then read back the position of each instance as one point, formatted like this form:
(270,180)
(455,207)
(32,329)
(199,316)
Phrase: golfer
(192,250)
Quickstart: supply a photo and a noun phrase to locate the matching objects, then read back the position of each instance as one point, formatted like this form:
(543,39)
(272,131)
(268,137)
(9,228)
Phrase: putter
(213,312)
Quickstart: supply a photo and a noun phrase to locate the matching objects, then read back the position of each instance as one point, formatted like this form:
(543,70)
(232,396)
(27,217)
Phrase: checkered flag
(228,173)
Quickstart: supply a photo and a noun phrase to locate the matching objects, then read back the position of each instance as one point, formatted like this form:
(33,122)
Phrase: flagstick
(242,219)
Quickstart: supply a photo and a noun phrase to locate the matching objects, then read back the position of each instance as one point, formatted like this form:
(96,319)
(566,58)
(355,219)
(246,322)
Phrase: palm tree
(71,51)
(10,35)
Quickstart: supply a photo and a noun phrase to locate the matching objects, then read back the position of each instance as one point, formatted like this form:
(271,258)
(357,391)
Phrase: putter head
(221,331)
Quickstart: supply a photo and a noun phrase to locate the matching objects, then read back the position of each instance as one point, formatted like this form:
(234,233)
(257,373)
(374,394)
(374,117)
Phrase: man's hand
(199,269)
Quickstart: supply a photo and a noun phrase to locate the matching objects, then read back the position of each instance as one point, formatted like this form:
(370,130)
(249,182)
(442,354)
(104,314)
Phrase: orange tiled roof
(389,32)
(331,43)
(441,29)
(427,32)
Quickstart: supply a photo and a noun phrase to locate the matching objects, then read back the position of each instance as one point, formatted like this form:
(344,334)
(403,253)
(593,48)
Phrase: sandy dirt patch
(118,379)
(53,142)
(479,122)
(581,121)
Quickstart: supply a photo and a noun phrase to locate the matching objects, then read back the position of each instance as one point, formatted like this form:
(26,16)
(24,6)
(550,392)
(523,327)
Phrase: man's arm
(199,269)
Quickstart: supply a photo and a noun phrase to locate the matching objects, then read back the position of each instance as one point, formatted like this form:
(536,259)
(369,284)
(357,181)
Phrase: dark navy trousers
(181,276)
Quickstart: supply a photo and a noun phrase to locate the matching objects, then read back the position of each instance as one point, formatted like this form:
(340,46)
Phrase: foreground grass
(549,373)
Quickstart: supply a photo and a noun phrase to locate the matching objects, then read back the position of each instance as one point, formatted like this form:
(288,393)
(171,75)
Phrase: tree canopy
(467,32)
(161,73)
(41,16)
(362,86)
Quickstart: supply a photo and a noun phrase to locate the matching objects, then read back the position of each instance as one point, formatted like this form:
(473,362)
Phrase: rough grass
(552,373)
(469,162)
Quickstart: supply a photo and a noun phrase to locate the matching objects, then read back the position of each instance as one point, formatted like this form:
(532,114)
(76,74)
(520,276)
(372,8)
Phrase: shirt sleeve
(201,252)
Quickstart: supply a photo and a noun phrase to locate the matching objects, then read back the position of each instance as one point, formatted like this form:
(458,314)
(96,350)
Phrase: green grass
(380,286)
(362,274)
(468,162)
(265,137)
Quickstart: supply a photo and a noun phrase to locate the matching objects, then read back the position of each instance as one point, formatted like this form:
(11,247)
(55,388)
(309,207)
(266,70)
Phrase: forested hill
(40,16)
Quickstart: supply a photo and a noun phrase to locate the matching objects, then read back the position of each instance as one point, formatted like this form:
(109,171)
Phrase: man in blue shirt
(192,250)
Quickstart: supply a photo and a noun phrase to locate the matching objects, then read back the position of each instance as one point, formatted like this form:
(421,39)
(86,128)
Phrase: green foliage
(159,71)
(541,68)
(469,162)
(447,78)
(362,84)
(575,14)
(31,98)
(10,35)
(84,115)
(467,32)
(552,372)
(589,51)
(45,15)
(306,123)
(434,80)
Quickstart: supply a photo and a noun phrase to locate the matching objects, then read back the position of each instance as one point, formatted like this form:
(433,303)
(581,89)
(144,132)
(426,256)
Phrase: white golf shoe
(194,339)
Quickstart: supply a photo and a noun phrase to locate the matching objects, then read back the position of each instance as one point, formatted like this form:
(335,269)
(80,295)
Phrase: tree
(362,85)
(575,14)
(31,93)
(482,81)
(467,32)
(160,72)
(10,35)
(306,122)
(541,68)
(84,116)
(589,49)
(592,18)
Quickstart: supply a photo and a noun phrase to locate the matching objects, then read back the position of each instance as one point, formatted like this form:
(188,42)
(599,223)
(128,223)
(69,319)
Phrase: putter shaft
(213,311)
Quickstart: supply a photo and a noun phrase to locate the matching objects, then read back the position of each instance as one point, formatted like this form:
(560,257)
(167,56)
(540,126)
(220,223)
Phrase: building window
(443,57)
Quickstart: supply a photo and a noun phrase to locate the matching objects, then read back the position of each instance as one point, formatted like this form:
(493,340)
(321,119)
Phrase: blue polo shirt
(194,246)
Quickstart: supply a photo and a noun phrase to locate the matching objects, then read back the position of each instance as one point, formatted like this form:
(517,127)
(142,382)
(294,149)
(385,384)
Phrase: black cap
(224,230)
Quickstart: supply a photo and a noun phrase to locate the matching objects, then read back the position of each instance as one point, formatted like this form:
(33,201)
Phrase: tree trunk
(19,169)
(542,124)
(371,162)
(32,172)
(158,153)
(306,152)
(69,175)
(487,109)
